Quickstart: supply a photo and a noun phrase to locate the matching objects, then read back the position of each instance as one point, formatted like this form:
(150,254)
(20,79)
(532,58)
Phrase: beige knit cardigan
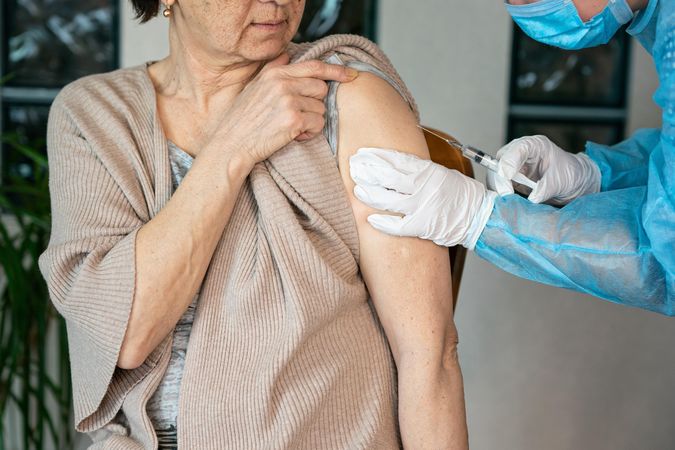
(286,350)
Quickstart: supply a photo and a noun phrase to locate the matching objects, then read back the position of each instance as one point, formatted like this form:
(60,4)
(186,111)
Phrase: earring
(167,11)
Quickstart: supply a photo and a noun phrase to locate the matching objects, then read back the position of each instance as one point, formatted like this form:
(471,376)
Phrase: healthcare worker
(614,238)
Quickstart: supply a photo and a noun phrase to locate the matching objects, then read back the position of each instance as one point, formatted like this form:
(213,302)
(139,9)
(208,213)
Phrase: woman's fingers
(310,87)
(311,105)
(312,125)
(321,70)
(284,102)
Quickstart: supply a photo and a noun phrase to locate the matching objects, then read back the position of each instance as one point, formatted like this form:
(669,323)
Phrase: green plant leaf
(27,151)
(4,79)
(27,314)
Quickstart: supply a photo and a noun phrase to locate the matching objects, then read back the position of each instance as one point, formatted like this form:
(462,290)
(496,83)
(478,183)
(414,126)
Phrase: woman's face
(249,30)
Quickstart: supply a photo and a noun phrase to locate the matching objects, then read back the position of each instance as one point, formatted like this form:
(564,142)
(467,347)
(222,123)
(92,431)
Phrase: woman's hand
(281,104)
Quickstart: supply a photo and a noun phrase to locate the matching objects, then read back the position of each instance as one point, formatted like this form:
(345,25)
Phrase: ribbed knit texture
(286,350)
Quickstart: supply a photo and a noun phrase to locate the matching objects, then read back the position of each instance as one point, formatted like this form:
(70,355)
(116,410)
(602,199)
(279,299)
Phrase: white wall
(544,368)
(141,43)
(642,111)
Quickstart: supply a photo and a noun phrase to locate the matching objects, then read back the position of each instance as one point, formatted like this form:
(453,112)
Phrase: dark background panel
(324,17)
(48,43)
(570,135)
(543,74)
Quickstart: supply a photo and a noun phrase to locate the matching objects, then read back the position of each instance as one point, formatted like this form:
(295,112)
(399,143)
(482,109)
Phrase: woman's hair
(145,9)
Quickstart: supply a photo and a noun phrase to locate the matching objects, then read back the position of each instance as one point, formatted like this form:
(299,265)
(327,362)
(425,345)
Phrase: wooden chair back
(446,155)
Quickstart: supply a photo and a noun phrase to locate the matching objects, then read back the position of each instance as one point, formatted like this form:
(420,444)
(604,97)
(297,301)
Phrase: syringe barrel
(490,162)
(480,157)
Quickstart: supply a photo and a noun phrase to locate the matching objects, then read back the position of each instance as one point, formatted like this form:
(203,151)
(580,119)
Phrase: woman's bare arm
(408,279)
(175,248)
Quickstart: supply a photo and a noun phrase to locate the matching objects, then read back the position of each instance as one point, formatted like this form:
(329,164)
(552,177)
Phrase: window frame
(569,111)
(38,95)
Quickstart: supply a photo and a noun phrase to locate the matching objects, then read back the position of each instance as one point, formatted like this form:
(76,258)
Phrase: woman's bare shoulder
(374,114)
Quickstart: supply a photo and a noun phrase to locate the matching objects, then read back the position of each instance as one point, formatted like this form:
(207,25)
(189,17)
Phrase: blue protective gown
(619,244)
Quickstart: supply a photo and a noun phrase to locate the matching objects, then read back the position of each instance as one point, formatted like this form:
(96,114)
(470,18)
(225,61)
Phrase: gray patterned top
(163,405)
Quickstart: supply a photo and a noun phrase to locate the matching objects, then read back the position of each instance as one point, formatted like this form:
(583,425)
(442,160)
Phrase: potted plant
(35,391)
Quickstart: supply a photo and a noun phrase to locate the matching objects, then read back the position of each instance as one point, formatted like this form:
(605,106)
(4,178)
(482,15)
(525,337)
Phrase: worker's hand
(437,203)
(561,176)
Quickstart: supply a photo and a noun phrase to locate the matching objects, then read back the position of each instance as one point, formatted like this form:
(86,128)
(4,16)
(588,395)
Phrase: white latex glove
(561,176)
(438,204)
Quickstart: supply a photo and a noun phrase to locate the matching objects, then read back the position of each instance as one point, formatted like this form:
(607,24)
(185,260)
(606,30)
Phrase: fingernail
(352,73)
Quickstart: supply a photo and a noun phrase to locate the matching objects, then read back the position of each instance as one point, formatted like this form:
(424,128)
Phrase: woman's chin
(265,50)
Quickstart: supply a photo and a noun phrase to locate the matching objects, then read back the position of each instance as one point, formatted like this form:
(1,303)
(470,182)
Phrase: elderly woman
(221,285)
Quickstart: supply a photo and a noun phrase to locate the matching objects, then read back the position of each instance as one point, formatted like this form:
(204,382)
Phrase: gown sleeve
(625,164)
(597,245)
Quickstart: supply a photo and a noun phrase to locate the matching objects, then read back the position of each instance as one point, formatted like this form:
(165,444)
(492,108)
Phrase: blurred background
(544,368)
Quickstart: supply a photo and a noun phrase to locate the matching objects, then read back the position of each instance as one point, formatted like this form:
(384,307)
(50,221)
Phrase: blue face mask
(557,23)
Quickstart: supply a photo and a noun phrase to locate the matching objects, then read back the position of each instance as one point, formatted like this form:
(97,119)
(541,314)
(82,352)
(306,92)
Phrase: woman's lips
(270,25)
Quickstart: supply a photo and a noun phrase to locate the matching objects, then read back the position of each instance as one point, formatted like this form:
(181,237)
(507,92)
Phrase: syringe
(491,163)
(482,158)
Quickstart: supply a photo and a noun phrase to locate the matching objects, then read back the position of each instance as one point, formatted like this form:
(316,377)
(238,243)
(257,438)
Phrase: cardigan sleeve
(89,267)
